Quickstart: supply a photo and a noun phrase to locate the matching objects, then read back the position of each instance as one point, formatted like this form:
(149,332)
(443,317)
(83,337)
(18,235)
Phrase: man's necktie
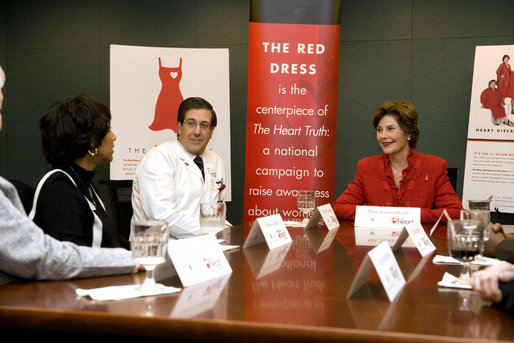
(199,162)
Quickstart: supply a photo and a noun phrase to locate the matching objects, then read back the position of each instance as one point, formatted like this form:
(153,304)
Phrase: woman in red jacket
(400,177)
(491,99)
(503,74)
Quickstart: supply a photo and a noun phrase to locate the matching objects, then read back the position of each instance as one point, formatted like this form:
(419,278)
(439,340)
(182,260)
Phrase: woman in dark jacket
(77,138)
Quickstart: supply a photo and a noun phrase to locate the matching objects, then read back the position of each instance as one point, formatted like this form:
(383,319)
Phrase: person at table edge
(500,244)
(401,176)
(76,137)
(496,283)
(27,252)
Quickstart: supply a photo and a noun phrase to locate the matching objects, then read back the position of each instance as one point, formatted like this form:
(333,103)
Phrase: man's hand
(486,282)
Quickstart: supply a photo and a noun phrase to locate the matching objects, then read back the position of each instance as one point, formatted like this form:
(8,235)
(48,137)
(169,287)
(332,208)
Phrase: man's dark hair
(196,103)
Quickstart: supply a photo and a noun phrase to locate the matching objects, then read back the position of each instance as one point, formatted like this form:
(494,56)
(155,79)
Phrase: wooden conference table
(297,294)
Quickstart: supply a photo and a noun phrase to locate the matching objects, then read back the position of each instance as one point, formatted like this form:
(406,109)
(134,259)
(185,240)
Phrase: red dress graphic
(169,98)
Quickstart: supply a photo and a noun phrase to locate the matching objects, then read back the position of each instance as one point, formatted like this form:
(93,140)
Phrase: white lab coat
(169,186)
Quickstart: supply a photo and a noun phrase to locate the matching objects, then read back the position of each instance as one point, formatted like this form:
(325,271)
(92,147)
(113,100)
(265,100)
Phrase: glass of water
(212,216)
(149,245)
(482,205)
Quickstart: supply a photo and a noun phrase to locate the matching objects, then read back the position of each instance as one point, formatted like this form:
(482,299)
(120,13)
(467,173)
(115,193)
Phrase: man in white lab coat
(169,184)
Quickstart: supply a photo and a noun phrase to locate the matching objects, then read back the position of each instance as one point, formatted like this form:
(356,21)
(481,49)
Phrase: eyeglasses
(204,126)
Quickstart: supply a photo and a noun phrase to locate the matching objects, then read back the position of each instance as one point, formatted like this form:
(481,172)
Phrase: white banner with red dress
(147,86)
(490,147)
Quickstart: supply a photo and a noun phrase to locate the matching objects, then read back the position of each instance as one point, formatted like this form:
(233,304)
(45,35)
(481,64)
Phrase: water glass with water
(212,216)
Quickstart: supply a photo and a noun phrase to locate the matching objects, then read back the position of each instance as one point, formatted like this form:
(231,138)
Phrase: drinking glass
(149,245)
(212,216)
(483,218)
(465,238)
(482,205)
(305,201)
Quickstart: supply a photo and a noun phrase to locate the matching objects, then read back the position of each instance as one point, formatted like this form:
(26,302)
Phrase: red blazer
(503,70)
(425,184)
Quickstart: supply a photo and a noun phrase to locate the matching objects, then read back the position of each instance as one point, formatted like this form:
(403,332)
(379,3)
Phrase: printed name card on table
(326,213)
(374,224)
(198,259)
(448,219)
(270,229)
(382,258)
(418,235)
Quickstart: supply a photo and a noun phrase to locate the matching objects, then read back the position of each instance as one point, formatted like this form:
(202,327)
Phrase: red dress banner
(291,116)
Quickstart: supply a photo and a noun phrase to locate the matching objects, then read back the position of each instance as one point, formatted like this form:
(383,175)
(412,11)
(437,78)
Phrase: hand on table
(486,282)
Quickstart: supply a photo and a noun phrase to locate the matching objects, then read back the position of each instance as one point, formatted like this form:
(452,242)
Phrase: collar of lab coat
(187,153)
(188,159)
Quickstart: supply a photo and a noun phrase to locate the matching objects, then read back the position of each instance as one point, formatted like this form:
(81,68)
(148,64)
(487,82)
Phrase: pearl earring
(92,153)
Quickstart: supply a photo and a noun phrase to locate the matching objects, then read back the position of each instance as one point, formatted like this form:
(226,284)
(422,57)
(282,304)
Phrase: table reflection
(299,289)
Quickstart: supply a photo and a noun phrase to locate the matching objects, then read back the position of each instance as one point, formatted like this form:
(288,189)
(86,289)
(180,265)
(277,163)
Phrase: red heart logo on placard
(395,220)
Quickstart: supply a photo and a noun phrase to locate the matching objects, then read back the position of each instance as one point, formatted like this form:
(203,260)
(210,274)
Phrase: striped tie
(199,162)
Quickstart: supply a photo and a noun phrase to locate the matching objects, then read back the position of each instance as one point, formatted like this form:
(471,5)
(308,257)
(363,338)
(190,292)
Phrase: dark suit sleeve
(505,250)
(507,302)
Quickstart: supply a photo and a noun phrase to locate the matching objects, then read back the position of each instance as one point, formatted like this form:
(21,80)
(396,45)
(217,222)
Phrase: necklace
(397,172)
(398,175)
(86,187)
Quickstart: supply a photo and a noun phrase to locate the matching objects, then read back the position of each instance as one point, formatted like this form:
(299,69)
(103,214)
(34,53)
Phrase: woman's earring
(92,153)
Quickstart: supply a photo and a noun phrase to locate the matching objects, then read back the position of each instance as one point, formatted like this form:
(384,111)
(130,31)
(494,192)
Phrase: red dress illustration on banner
(169,98)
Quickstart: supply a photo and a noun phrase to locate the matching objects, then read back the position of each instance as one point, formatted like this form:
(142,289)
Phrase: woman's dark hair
(73,126)
(503,58)
(196,103)
(405,113)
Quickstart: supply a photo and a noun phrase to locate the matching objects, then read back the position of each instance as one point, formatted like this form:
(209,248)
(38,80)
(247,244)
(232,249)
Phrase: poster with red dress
(147,85)
(489,170)
(293,67)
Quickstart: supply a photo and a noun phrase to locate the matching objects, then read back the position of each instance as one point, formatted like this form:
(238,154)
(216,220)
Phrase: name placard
(418,235)
(382,259)
(270,229)
(325,212)
(198,259)
(374,224)
(448,219)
